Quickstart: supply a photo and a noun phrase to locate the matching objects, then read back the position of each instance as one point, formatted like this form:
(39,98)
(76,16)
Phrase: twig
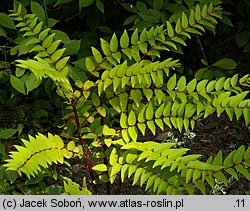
(202,49)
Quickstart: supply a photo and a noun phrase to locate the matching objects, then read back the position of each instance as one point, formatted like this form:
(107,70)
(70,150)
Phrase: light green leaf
(184,21)
(123,120)
(142,127)
(198,13)
(171,82)
(218,159)
(204,11)
(90,64)
(105,47)
(114,43)
(95,99)
(88,84)
(32,82)
(102,111)
(62,63)
(191,85)
(178,28)
(100,167)
(151,126)
(124,172)
(124,41)
(170,29)
(219,84)
(136,96)
(19,72)
(191,18)
(113,157)
(134,37)
(115,169)
(238,156)
(246,113)
(48,40)
(38,28)
(57,54)
(132,131)
(131,118)
(123,101)
(53,46)
(221,177)
(232,172)
(211,86)
(247,154)
(17,84)
(148,93)
(181,84)
(159,111)
(179,40)
(235,100)
(97,55)
(43,34)
(137,175)
(234,80)
(149,111)
(200,185)
(243,170)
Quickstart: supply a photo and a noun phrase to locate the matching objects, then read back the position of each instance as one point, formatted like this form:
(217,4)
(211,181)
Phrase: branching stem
(85,151)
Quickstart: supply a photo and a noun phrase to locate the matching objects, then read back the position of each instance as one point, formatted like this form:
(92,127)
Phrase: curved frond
(167,170)
(48,60)
(39,152)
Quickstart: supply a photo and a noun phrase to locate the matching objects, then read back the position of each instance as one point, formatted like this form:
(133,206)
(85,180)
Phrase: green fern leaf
(38,152)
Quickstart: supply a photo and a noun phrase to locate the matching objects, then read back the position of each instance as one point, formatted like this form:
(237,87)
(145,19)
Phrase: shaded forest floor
(212,135)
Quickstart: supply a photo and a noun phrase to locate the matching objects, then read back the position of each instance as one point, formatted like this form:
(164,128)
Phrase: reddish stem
(85,151)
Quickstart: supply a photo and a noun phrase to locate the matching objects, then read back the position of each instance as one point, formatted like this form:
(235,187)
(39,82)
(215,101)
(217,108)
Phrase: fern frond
(72,188)
(158,97)
(150,42)
(39,152)
(168,170)
(49,60)
(174,108)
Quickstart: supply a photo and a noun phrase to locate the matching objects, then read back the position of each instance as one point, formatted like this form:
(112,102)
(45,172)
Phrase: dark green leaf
(226,63)
(72,47)
(100,5)
(6,21)
(85,3)
(38,10)
(7,133)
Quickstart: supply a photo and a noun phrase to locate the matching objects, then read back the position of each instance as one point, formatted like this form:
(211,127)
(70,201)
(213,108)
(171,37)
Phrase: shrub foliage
(132,87)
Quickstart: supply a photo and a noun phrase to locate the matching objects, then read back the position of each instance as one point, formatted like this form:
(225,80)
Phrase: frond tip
(39,151)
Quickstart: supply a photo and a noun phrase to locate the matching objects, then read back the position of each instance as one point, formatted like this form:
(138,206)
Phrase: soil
(212,135)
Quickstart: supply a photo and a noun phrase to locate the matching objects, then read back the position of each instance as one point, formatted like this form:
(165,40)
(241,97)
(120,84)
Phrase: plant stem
(85,151)
(202,49)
